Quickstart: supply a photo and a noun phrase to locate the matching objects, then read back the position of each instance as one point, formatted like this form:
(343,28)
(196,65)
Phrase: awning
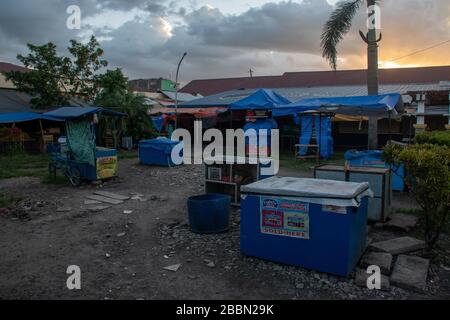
(76,112)
(261,99)
(380,105)
(198,112)
(14,117)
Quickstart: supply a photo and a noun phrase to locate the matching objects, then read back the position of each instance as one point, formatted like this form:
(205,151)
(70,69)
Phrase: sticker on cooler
(334,209)
(283,217)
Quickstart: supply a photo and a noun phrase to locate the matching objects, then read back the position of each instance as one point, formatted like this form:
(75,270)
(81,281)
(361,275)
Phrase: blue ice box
(157,151)
(312,223)
(373,158)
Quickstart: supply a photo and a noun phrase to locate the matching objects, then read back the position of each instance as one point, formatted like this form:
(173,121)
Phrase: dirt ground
(122,256)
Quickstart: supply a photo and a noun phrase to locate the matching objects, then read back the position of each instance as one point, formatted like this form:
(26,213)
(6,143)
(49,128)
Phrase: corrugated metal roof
(182,96)
(12,100)
(397,76)
(6,67)
(295,94)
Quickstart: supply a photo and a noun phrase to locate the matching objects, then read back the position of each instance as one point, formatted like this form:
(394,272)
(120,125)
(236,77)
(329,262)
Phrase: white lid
(304,187)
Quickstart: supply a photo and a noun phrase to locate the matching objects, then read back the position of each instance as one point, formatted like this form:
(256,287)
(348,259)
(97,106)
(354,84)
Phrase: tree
(47,82)
(53,79)
(86,62)
(114,94)
(333,32)
(428,178)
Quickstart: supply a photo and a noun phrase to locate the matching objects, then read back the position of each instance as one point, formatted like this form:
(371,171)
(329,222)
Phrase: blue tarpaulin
(322,127)
(306,134)
(261,99)
(374,158)
(326,138)
(358,105)
(76,112)
(157,151)
(260,124)
(24,116)
(158,123)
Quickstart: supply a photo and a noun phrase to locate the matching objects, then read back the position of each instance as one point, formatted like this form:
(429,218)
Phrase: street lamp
(176,90)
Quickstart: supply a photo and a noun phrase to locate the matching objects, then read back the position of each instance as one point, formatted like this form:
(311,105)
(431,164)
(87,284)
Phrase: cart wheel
(74,175)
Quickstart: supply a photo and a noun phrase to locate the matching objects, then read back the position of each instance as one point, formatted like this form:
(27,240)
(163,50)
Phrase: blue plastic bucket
(209,213)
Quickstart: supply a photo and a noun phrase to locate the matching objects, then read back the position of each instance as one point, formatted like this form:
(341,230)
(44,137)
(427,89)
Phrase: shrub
(441,138)
(428,178)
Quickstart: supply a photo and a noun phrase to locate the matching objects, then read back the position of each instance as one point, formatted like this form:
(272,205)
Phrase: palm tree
(334,30)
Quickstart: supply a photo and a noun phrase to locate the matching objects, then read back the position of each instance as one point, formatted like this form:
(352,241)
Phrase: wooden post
(42,135)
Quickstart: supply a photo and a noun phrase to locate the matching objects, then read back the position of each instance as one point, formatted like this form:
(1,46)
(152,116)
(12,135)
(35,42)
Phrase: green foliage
(53,78)
(6,201)
(47,77)
(441,138)
(87,61)
(428,177)
(21,164)
(336,27)
(115,95)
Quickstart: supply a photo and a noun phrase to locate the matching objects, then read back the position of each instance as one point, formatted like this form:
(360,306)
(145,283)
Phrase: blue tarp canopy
(359,105)
(76,112)
(261,99)
(14,117)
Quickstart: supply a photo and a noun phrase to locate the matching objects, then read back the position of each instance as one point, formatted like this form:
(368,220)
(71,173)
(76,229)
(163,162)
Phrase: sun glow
(391,64)
(166,27)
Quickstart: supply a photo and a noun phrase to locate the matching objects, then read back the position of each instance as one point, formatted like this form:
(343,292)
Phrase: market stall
(28,131)
(226,174)
(386,105)
(83,159)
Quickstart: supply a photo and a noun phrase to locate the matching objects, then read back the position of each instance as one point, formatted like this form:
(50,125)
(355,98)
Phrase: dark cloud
(271,39)
(286,26)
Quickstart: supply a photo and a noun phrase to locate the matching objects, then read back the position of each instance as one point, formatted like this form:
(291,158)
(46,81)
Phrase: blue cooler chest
(313,223)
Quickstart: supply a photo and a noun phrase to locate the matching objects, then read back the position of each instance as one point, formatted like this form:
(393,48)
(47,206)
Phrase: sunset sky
(224,38)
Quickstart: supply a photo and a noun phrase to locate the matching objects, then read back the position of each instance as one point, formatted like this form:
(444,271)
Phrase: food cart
(79,158)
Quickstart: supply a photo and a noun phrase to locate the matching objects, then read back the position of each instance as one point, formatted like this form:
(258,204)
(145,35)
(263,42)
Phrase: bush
(441,138)
(428,178)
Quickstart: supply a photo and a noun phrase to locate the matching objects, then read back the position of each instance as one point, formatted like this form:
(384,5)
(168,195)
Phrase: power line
(421,50)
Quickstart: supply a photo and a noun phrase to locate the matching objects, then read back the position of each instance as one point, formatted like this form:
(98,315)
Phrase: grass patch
(128,154)
(289,161)
(23,165)
(58,180)
(6,201)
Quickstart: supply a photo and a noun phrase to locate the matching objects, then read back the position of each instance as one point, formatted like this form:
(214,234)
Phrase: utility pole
(372,41)
(176,90)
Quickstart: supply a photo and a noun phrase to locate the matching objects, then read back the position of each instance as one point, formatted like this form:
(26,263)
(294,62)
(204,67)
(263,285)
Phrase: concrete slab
(173,268)
(381,259)
(98,208)
(404,222)
(112,195)
(410,272)
(104,199)
(361,280)
(398,245)
(90,202)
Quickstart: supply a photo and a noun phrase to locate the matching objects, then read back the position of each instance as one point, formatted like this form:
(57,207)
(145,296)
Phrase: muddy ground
(122,256)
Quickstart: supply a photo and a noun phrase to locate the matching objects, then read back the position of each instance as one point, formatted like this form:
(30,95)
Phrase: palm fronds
(336,27)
